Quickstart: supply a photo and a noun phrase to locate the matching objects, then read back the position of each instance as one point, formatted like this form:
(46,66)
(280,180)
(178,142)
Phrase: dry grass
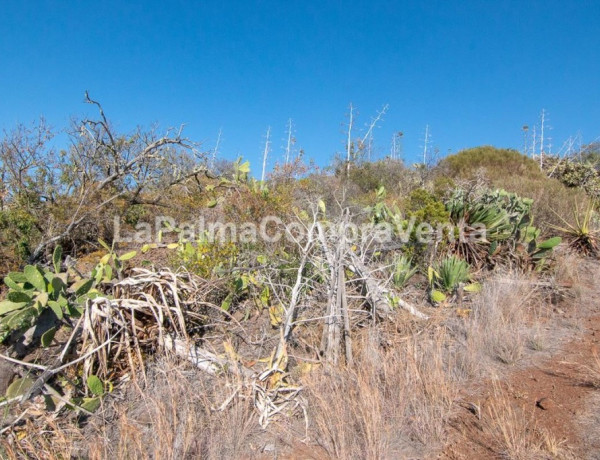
(589,425)
(392,403)
(395,402)
(44,439)
(513,431)
(175,416)
(590,374)
(502,324)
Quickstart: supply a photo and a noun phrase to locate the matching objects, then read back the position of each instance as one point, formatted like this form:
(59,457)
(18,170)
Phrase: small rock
(269,448)
(7,372)
(545,403)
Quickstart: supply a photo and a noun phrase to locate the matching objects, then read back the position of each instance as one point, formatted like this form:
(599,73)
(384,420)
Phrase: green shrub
(207,258)
(18,232)
(426,207)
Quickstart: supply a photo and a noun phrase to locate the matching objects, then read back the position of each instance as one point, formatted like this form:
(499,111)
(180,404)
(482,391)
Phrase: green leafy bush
(18,231)
(426,207)
(206,259)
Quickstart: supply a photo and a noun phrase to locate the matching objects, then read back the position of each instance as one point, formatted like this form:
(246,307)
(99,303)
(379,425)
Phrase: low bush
(496,164)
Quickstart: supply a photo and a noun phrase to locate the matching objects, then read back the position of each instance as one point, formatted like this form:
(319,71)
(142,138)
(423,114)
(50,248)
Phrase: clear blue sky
(475,71)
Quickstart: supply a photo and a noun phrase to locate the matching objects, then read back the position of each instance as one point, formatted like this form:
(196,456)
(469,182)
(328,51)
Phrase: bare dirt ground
(546,409)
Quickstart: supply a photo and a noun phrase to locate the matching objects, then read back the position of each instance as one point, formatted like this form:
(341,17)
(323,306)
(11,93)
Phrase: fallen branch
(377,295)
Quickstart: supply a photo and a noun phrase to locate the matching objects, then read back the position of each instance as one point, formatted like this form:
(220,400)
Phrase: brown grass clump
(43,439)
(397,400)
(394,402)
(499,326)
(513,431)
(176,415)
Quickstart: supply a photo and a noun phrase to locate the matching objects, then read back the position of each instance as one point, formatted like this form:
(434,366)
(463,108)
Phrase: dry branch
(377,295)
(204,359)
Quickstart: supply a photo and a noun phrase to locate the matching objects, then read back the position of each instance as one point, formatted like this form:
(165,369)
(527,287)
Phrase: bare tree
(426,144)
(367,139)
(102,166)
(543,120)
(26,165)
(525,130)
(215,152)
(396,149)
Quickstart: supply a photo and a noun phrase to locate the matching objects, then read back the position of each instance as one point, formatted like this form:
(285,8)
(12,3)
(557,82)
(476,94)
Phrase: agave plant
(447,276)
(450,272)
(403,271)
(501,213)
(504,216)
(582,234)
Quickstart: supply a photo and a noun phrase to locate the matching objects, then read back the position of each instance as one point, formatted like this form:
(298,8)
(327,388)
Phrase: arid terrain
(154,306)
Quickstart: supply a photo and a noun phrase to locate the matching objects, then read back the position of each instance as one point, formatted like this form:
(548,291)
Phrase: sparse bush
(573,172)
(101,174)
(583,233)
(390,174)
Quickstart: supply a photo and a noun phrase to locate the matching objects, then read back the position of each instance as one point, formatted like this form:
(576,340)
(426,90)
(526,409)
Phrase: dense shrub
(17,231)
(426,207)
(496,164)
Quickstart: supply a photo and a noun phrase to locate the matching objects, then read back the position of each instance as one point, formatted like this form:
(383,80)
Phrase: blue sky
(474,71)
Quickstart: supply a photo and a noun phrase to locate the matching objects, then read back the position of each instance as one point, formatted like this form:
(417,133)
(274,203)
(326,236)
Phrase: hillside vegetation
(159,306)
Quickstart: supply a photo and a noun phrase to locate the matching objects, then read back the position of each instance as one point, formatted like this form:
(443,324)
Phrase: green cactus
(37,289)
